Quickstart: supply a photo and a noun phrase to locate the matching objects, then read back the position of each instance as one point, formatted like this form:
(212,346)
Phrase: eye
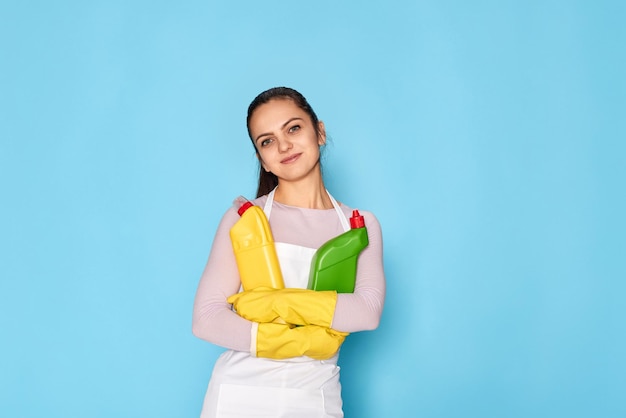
(266,142)
(294,128)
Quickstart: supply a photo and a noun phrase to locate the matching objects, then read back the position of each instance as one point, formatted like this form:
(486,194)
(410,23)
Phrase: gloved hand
(278,341)
(294,306)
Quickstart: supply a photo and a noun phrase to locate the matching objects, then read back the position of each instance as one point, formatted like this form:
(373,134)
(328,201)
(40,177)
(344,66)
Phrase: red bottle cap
(357,220)
(244,207)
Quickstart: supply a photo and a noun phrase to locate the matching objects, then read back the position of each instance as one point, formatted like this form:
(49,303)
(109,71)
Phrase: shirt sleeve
(213,317)
(361,310)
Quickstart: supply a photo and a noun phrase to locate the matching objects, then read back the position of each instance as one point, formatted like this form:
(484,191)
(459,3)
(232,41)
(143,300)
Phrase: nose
(284,144)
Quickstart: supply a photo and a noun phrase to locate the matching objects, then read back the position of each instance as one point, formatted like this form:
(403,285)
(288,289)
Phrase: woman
(274,369)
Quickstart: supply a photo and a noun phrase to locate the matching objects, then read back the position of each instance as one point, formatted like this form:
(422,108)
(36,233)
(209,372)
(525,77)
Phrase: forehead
(275,113)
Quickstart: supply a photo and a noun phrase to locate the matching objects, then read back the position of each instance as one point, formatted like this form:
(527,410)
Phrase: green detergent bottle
(334,264)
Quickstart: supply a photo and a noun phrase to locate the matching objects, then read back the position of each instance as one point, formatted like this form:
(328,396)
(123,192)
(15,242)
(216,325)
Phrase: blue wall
(488,137)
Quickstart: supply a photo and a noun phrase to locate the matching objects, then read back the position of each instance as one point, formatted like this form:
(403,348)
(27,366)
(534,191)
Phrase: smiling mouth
(290,159)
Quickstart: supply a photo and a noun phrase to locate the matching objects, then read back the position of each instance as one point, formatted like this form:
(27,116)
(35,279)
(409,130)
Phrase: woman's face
(286,140)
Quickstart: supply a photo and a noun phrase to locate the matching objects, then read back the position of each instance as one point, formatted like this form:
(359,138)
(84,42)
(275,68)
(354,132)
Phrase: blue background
(488,137)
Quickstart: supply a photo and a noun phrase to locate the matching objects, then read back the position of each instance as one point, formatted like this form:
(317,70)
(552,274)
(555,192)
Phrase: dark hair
(267,180)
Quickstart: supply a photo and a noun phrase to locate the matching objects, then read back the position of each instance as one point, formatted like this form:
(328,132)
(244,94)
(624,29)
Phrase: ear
(321,140)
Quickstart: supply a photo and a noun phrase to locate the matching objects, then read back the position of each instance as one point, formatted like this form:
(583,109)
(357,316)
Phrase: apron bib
(243,386)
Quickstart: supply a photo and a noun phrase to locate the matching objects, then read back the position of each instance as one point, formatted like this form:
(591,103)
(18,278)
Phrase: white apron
(245,386)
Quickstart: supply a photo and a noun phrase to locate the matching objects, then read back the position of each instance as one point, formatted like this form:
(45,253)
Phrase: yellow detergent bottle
(333,266)
(253,245)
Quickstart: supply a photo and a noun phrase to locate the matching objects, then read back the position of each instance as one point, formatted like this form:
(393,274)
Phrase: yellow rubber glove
(294,306)
(278,341)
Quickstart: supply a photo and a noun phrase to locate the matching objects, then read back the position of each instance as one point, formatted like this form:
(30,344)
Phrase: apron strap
(268,204)
(342,218)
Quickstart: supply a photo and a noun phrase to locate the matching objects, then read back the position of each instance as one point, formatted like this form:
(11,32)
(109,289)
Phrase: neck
(304,194)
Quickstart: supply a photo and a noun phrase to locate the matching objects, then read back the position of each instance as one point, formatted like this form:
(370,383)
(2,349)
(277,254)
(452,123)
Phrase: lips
(290,159)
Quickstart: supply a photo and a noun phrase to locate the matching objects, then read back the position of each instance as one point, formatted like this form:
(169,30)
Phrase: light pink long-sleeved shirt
(213,318)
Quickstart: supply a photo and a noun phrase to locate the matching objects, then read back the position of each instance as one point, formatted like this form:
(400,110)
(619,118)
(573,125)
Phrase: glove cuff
(254,332)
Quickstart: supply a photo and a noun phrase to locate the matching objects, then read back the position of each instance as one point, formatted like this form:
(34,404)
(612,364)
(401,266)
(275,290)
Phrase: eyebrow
(282,127)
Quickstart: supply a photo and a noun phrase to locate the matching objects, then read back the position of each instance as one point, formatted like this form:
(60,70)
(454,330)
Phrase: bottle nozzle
(357,220)
(242,204)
